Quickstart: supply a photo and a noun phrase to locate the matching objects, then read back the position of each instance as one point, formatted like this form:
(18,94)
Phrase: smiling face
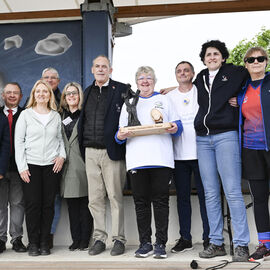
(12,95)
(256,69)
(146,84)
(184,73)
(213,59)
(42,94)
(72,96)
(101,70)
(51,78)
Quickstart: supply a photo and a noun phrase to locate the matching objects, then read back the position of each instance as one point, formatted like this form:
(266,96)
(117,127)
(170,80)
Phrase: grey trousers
(105,177)
(11,197)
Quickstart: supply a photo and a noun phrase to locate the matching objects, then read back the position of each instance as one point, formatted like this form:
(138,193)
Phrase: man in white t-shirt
(184,98)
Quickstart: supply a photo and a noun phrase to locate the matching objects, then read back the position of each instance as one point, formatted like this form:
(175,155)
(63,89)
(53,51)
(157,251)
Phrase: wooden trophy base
(147,129)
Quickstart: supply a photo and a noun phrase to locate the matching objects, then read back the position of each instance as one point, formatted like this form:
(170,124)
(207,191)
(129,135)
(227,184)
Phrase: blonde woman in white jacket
(40,154)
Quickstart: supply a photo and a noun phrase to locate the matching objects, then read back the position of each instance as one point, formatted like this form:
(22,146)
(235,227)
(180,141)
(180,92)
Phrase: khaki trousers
(105,176)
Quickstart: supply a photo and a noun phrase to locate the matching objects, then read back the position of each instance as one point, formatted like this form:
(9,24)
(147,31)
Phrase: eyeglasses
(73,93)
(49,77)
(251,60)
(148,78)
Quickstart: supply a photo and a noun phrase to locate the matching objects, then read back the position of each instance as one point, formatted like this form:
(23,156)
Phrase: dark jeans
(182,179)
(260,194)
(151,186)
(39,196)
(80,219)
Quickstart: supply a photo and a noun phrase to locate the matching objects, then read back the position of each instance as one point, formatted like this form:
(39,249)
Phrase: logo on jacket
(118,108)
(224,78)
(158,105)
(245,99)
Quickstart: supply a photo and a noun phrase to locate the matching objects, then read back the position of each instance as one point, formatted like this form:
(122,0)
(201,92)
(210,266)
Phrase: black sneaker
(2,246)
(18,246)
(213,251)
(261,252)
(44,249)
(33,250)
(182,245)
(241,254)
(97,248)
(74,246)
(118,248)
(84,245)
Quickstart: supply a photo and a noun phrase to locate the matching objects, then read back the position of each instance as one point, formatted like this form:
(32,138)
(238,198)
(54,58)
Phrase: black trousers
(80,219)
(151,186)
(260,194)
(39,196)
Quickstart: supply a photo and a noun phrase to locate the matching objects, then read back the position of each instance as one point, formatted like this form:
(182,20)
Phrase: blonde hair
(63,102)
(146,70)
(32,101)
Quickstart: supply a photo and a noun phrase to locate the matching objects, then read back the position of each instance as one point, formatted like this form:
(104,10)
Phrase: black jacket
(215,114)
(12,163)
(111,119)
(4,144)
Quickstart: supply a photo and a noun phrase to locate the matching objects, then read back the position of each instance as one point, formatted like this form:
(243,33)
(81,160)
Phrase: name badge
(67,121)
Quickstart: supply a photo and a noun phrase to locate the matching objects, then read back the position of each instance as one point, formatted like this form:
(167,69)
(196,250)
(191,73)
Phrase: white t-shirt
(150,150)
(186,106)
(43,118)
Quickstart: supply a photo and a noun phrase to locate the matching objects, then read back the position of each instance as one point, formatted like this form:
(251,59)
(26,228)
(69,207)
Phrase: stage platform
(61,259)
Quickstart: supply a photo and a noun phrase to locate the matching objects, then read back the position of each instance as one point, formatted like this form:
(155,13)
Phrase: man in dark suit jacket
(4,147)
(104,158)
(11,186)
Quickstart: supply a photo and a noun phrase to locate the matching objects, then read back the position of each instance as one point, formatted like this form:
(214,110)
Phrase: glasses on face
(148,78)
(251,60)
(12,93)
(50,78)
(73,93)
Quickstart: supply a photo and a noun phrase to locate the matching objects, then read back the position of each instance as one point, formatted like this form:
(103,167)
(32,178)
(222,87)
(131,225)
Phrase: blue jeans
(182,179)
(219,155)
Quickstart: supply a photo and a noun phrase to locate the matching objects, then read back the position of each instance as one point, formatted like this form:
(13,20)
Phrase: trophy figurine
(134,126)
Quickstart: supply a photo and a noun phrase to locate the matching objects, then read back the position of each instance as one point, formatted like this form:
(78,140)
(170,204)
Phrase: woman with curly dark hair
(216,126)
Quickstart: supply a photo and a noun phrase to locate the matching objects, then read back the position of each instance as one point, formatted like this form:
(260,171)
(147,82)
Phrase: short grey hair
(53,70)
(146,70)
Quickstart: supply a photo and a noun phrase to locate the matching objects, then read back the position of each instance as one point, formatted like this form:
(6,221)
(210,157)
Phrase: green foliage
(262,39)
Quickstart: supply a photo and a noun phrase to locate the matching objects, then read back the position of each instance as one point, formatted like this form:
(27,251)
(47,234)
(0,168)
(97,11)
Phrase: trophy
(134,126)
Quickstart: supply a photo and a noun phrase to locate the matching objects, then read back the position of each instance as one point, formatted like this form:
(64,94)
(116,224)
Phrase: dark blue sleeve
(117,140)
(180,128)
(4,145)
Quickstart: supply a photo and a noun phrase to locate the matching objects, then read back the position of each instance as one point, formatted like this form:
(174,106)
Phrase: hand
(123,134)
(1,176)
(58,164)
(173,129)
(233,102)
(25,176)
(165,91)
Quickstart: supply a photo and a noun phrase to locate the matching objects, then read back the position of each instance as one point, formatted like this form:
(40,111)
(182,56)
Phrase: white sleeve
(19,142)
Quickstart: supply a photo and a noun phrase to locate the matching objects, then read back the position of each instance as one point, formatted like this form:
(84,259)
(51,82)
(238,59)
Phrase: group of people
(75,147)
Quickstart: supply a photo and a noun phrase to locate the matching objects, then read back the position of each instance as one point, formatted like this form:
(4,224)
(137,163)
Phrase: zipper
(263,118)
(95,118)
(209,106)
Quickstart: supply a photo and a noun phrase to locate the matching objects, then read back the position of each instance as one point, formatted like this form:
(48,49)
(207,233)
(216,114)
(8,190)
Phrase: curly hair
(215,44)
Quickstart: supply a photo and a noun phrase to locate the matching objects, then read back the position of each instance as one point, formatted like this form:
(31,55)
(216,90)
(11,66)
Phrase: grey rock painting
(54,44)
(14,41)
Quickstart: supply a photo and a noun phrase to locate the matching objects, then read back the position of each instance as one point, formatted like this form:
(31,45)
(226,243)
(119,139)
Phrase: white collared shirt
(14,110)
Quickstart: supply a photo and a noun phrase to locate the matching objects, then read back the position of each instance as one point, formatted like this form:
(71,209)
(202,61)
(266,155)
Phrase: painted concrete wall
(62,235)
